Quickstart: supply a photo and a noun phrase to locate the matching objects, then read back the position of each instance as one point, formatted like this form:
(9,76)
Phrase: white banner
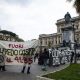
(16,52)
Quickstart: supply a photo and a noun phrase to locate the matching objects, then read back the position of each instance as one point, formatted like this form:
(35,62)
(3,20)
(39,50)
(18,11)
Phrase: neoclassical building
(55,40)
(9,36)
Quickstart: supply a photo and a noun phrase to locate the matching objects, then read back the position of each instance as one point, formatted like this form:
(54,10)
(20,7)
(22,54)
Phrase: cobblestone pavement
(14,72)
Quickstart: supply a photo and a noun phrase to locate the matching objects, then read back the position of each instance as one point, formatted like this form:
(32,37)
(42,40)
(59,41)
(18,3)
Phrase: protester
(60,57)
(28,69)
(35,56)
(45,58)
(40,58)
(2,62)
(50,60)
(27,60)
(72,56)
(24,66)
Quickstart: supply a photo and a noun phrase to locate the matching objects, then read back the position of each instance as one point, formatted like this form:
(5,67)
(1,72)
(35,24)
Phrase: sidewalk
(35,71)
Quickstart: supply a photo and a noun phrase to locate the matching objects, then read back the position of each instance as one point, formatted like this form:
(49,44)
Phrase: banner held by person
(16,53)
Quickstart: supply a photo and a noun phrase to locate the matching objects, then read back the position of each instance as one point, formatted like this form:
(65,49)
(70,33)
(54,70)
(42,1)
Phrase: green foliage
(76,5)
(12,35)
(8,32)
(70,73)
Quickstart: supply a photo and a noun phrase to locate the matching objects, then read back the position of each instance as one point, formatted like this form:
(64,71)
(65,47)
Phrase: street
(14,72)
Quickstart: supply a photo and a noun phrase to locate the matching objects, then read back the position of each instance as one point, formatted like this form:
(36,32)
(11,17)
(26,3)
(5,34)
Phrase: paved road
(14,72)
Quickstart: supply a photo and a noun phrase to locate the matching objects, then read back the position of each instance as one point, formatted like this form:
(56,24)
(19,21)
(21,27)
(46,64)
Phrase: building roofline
(48,35)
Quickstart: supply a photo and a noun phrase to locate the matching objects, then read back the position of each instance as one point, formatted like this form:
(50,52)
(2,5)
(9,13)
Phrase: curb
(44,78)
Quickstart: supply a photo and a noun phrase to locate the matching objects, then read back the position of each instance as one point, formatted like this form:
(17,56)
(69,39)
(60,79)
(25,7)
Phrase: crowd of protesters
(46,57)
(43,57)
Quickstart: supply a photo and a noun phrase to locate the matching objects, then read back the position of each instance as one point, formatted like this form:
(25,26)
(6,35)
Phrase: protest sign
(16,52)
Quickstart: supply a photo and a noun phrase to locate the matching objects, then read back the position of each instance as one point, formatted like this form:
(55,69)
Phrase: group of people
(63,56)
(44,58)
(2,64)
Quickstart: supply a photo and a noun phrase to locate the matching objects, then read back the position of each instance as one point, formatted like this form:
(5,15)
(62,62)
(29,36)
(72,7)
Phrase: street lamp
(72,22)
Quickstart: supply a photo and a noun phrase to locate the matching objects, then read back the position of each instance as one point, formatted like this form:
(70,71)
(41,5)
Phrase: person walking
(72,56)
(45,58)
(50,60)
(35,56)
(60,57)
(40,58)
(27,61)
(2,62)
(28,69)
(24,66)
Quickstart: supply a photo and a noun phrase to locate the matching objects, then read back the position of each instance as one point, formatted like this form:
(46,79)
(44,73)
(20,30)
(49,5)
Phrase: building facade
(55,40)
(9,36)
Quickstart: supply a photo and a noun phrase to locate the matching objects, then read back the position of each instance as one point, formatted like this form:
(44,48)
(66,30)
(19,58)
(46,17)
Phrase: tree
(76,5)
(11,34)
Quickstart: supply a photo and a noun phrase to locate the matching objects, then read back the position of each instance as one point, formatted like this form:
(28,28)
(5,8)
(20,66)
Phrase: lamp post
(75,61)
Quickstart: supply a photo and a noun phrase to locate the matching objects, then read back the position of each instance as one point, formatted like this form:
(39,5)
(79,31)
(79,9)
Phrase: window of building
(56,41)
(53,41)
(59,40)
(59,30)
(49,44)
(41,42)
(46,42)
(1,37)
(77,26)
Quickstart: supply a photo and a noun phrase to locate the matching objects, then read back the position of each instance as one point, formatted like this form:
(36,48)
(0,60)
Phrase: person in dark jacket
(40,58)
(45,56)
(2,62)
(72,55)
(50,60)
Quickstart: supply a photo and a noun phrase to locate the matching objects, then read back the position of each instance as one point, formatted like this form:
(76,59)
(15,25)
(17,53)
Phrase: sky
(30,18)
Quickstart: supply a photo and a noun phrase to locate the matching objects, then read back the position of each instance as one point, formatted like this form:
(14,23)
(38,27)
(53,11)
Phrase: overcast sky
(29,18)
